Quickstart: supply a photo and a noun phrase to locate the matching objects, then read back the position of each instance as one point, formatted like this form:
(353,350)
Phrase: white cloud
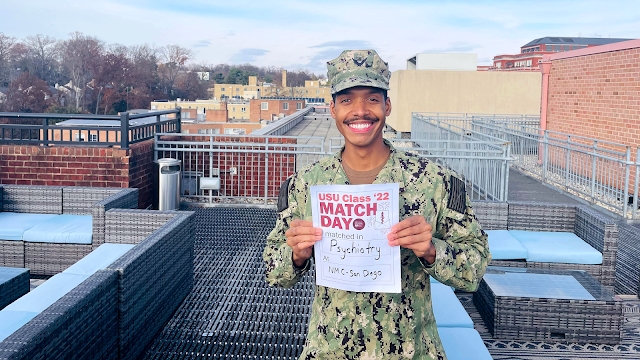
(287,30)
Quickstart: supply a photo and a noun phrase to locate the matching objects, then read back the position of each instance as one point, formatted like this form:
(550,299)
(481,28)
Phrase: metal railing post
(179,118)
(158,124)
(593,171)
(266,169)
(625,199)
(124,130)
(45,132)
(545,155)
(634,214)
(566,168)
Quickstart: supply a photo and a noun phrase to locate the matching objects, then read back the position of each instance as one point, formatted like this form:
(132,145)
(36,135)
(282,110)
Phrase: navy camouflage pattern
(365,325)
(358,68)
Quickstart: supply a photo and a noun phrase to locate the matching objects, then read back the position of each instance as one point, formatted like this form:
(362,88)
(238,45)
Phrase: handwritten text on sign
(354,253)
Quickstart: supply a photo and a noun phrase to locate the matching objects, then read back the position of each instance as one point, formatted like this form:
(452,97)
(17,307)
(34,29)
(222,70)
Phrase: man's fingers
(413,230)
(302,238)
(412,239)
(300,222)
(408,222)
(303,230)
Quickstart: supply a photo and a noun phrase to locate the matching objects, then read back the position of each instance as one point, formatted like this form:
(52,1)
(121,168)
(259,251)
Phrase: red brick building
(595,93)
(268,109)
(532,52)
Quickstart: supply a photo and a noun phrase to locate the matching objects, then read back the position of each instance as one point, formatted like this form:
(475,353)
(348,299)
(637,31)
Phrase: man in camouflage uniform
(438,231)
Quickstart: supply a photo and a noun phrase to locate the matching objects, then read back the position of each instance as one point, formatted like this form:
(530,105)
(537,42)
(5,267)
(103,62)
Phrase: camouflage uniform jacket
(362,325)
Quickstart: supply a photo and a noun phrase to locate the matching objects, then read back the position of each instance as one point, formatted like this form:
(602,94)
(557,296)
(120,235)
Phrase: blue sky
(305,34)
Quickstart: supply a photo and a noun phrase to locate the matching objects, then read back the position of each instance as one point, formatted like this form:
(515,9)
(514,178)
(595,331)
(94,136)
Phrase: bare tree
(6,45)
(173,59)
(78,53)
(41,57)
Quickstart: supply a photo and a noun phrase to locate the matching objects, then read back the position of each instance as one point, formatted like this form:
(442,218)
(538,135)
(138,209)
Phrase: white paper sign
(354,253)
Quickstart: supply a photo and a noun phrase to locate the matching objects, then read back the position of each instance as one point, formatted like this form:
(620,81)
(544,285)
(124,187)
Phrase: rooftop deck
(232,313)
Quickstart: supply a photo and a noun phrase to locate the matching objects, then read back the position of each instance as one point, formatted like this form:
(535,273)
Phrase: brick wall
(597,96)
(80,166)
(217,115)
(276,107)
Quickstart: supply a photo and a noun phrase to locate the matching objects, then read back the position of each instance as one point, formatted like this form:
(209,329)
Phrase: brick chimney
(284,78)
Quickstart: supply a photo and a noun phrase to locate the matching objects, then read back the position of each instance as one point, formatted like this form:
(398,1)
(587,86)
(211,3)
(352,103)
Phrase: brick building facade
(595,92)
(267,109)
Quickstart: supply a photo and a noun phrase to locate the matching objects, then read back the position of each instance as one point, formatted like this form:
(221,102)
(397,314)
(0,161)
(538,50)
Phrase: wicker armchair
(595,229)
(51,258)
(116,312)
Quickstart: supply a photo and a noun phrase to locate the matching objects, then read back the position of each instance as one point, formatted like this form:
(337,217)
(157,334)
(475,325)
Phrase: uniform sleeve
(462,250)
(278,256)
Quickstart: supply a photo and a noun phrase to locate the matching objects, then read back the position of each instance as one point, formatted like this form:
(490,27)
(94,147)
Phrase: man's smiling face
(360,114)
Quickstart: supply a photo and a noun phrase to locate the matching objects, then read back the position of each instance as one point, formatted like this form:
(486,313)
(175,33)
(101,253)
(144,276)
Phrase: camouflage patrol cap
(358,68)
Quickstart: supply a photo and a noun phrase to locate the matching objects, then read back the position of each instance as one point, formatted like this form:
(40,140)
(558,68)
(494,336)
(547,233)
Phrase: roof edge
(623,45)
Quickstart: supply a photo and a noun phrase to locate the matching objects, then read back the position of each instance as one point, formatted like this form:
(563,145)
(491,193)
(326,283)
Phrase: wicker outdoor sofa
(595,229)
(46,258)
(116,312)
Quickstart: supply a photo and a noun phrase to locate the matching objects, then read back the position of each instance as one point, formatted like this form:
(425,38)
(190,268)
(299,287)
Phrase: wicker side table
(14,282)
(549,305)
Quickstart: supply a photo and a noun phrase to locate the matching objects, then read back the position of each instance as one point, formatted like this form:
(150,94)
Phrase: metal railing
(601,172)
(282,126)
(463,119)
(86,129)
(480,159)
(249,168)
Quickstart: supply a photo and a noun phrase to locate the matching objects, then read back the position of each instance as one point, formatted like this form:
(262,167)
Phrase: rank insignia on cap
(457,195)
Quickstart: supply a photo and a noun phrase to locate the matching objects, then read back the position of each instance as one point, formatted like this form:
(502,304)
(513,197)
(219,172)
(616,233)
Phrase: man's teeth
(359,126)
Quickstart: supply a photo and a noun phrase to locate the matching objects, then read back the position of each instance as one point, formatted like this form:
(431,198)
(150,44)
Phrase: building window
(209,131)
(221,89)
(237,89)
(233,109)
(79,137)
(234,131)
(299,106)
(154,107)
(93,137)
(264,106)
(285,106)
(243,109)
(185,115)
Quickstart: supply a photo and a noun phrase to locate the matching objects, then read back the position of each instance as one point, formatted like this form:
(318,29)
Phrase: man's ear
(332,107)
(387,107)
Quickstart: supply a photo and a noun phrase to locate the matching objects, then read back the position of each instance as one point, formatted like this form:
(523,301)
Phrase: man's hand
(414,233)
(300,237)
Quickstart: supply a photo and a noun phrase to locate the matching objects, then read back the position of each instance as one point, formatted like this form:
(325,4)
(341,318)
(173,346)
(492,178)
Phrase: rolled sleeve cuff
(442,250)
(303,269)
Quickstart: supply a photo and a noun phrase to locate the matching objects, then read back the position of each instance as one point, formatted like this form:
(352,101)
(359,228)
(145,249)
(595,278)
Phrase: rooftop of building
(573,40)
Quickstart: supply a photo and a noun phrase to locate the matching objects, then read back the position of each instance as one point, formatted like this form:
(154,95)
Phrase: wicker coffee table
(550,305)
(14,282)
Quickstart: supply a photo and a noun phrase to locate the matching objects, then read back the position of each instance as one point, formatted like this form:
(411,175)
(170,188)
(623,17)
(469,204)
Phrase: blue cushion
(13,225)
(557,247)
(98,259)
(10,321)
(447,309)
(46,294)
(463,344)
(503,246)
(62,229)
